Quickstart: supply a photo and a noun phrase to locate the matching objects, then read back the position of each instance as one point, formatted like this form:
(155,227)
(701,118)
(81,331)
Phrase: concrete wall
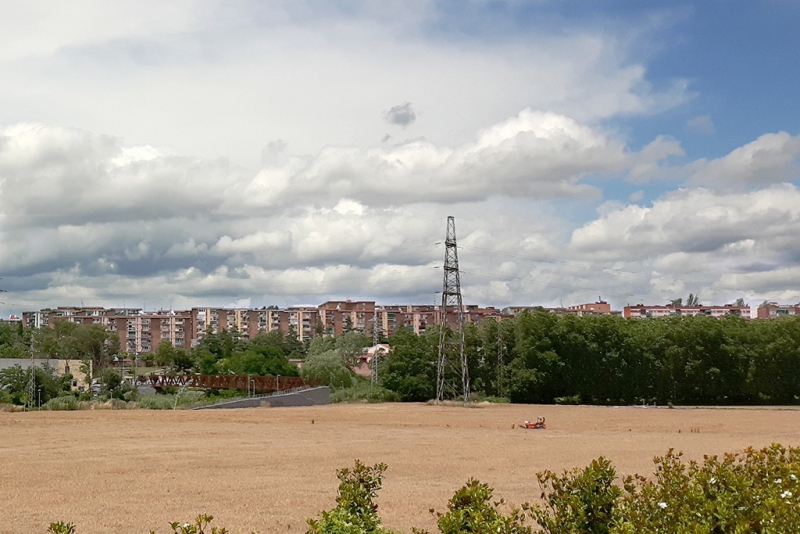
(307,397)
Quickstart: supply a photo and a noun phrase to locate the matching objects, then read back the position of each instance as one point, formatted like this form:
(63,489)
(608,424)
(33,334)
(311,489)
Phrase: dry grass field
(267,469)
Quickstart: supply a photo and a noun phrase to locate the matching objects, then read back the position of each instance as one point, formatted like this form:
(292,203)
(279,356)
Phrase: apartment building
(12,320)
(642,311)
(80,315)
(337,317)
(410,316)
(299,321)
(772,310)
(600,307)
(143,332)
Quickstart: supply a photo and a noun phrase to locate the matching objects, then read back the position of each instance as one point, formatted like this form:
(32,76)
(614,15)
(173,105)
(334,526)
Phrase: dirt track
(269,469)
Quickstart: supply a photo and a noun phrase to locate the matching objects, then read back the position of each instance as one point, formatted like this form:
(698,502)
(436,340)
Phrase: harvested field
(267,469)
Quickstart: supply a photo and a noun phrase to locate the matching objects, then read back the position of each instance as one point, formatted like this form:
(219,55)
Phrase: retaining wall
(307,397)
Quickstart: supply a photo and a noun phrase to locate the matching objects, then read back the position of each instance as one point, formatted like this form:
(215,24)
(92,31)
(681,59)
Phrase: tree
(112,381)
(351,346)
(182,360)
(693,300)
(165,353)
(410,367)
(329,368)
(13,342)
(14,381)
(319,345)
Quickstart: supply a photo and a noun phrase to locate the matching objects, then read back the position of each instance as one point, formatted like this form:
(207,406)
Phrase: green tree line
(542,357)
(537,357)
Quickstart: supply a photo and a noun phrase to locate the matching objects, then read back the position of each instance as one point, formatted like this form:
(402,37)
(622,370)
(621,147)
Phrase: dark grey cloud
(401,115)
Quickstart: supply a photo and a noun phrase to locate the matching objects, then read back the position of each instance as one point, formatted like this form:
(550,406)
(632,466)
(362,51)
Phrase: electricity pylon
(376,338)
(452,357)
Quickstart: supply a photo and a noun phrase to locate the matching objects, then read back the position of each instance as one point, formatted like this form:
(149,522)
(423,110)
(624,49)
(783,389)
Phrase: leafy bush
(581,500)
(198,527)
(356,511)
(753,491)
(573,400)
(750,492)
(471,510)
(365,392)
(61,528)
(67,402)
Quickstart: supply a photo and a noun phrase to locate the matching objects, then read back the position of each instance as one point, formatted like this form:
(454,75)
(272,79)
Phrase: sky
(166,155)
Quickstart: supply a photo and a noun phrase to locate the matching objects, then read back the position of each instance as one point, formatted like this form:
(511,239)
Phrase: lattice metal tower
(31,384)
(452,357)
(500,359)
(376,338)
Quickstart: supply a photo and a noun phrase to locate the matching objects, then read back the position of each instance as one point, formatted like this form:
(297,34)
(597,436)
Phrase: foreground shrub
(471,510)
(356,511)
(753,491)
(581,500)
(61,528)
(198,527)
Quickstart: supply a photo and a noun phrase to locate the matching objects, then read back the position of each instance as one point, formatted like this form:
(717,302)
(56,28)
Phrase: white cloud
(213,79)
(536,153)
(691,220)
(693,239)
(84,214)
(648,164)
(308,203)
(769,159)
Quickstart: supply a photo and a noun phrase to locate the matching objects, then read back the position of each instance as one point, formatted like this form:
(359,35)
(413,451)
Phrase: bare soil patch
(268,469)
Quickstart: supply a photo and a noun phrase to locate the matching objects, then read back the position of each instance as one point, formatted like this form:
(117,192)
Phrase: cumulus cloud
(769,159)
(306,206)
(401,115)
(691,220)
(649,163)
(179,75)
(699,238)
(535,154)
(84,214)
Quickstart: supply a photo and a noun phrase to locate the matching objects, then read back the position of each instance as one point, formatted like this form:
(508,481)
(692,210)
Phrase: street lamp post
(39,391)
